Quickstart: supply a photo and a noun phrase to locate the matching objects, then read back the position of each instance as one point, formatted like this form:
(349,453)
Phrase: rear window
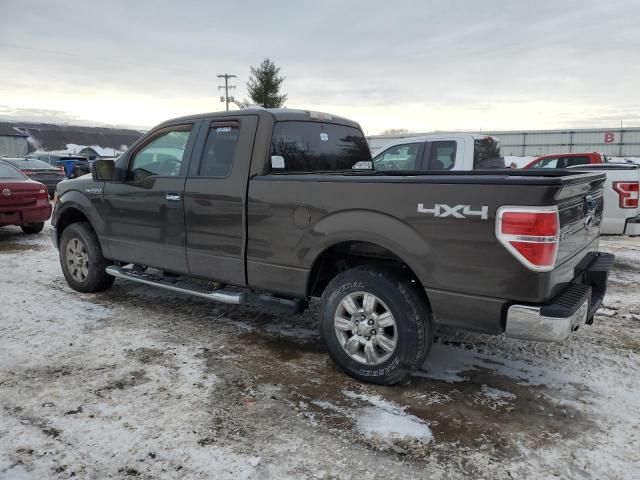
(7,171)
(28,163)
(486,153)
(571,161)
(316,147)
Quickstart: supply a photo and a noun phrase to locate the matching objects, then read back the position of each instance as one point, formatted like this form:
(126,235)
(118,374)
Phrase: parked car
(621,194)
(257,201)
(23,202)
(450,151)
(74,165)
(566,160)
(39,171)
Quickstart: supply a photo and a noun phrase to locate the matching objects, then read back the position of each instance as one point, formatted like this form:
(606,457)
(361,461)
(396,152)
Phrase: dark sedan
(39,171)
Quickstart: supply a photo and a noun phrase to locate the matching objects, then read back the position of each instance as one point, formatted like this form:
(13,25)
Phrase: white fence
(616,142)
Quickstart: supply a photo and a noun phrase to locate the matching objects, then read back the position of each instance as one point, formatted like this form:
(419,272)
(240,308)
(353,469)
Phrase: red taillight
(628,193)
(27,172)
(530,234)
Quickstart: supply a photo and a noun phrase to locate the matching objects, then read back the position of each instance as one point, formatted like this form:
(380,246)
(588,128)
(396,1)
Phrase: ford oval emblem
(6,192)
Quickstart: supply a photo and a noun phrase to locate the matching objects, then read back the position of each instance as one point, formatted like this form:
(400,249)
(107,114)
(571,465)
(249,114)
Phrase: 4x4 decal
(457,211)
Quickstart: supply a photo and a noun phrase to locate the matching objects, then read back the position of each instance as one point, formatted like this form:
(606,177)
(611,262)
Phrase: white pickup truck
(621,195)
(440,151)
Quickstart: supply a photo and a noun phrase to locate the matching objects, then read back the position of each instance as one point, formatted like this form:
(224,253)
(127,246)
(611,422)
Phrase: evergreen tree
(264,85)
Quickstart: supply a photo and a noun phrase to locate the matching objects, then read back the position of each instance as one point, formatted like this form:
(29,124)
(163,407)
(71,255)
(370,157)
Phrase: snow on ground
(135,382)
(520,162)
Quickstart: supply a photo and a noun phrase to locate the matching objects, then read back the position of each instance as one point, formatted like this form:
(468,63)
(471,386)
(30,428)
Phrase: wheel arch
(370,238)
(73,208)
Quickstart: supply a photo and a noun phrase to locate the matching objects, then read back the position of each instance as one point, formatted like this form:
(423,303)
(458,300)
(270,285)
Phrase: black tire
(96,280)
(408,305)
(33,228)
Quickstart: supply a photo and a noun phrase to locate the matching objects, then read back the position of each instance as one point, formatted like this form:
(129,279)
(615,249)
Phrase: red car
(23,202)
(565,160)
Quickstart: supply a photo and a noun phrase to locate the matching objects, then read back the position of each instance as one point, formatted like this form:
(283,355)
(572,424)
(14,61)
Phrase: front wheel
(83,264)
(376,324)
(32,228)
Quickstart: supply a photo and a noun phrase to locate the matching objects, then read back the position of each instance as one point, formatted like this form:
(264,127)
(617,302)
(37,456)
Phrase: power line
(226,87)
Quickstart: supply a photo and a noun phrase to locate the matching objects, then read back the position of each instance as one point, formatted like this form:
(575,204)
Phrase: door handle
(173,197)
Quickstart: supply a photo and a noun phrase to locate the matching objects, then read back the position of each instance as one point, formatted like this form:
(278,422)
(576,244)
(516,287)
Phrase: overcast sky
(423,65)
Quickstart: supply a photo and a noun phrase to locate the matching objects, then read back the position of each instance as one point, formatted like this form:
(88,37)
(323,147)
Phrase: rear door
(214,199)
(145,212)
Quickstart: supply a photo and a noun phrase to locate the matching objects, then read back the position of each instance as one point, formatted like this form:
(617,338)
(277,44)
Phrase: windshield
(7,171)
(486,153)
(300,146)
(27,163)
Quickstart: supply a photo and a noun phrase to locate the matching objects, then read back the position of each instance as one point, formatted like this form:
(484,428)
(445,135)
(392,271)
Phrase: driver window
(547,163)
(398,157)
(162,156)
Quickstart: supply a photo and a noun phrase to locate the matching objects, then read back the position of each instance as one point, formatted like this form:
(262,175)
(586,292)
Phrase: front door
(145,212)
(215,196)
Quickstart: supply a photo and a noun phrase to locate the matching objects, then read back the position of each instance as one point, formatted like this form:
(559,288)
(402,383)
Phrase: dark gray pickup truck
(266,206)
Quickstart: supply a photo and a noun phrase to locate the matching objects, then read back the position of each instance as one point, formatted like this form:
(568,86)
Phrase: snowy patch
(387,421)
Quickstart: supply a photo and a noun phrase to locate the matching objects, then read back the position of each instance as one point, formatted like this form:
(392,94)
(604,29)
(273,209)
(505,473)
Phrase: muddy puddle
(486,410)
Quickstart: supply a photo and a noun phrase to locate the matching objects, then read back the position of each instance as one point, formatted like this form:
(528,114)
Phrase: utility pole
(226,87)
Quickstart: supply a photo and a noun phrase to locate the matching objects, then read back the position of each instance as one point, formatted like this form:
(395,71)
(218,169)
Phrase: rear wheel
(33,228)
(83,264)
(376,324)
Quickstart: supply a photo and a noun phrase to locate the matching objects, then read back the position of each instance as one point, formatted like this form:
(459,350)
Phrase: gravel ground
(137,382)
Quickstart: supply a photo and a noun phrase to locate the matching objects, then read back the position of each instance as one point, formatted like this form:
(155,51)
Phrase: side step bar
(223,296)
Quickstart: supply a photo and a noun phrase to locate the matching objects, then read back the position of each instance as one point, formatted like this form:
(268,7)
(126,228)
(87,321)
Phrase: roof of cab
(278,114)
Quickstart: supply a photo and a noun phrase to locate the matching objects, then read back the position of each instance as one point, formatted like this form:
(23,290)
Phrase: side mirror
(103,170)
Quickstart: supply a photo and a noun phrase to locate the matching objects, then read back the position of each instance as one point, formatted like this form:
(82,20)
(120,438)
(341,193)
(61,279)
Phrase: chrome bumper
(529,323)
(572,308)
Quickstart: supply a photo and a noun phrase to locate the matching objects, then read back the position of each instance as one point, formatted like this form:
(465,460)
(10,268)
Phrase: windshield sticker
(277,161)
(223,129)
(324,137)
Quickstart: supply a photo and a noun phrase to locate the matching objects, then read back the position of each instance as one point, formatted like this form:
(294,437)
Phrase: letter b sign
(609,137)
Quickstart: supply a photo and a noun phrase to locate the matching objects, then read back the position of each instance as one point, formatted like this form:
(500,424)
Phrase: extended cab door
(444,153)
(215,194)
(145,211)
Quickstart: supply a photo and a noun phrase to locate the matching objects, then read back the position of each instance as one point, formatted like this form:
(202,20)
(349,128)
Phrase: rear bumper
(632,226)
(26,216)
(573,307)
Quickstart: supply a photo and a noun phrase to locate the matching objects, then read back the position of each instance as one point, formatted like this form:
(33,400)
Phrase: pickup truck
(264,206)
(567,160)
(440,151)
(621,195)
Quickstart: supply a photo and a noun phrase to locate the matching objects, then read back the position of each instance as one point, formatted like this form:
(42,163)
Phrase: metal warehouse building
(13,142)
(615,142)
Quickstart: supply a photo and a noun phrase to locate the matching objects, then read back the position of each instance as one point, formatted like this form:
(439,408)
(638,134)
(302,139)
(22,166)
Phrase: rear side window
(570,161)
(316,147)
(219,150)
(7,171)
(442,155)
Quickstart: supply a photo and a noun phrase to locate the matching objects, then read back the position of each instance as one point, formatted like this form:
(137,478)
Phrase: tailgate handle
(173,197)
(591,203)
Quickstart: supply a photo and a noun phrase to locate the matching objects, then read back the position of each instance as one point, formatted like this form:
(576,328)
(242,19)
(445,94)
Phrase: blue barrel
(69,166)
